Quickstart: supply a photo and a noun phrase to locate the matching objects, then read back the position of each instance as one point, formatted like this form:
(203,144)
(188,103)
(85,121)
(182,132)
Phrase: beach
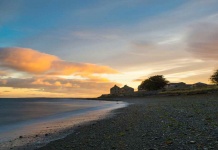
(108,75)
(28,123)
(152,123)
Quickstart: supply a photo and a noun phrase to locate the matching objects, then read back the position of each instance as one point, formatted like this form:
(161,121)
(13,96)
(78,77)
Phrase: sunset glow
(83,48)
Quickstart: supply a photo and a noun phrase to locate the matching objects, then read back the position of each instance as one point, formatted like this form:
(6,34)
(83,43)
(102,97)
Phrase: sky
(81,48)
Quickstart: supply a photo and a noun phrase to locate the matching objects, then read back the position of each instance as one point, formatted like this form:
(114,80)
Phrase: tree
(214,77)
(156,82)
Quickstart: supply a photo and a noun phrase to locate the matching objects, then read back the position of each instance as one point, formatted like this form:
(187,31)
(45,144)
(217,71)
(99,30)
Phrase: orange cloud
(35,62)
(68,87)
(27,60)
(46,70)
(67,68)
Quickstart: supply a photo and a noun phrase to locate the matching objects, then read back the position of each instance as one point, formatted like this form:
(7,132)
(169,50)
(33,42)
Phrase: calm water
(17,111)
(20,110)
(27,116)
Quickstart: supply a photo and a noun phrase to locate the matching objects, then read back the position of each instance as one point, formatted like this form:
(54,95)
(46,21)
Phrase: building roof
(126,86)
(200,83)
(115,86)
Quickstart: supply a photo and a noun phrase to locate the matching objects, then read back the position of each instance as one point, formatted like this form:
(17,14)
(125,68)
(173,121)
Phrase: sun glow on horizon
(97,44)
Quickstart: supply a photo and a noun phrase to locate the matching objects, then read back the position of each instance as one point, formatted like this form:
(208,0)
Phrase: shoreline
(169,122)
(39,134)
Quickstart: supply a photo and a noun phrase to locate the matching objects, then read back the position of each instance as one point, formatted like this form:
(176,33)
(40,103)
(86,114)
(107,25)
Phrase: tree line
(158,82)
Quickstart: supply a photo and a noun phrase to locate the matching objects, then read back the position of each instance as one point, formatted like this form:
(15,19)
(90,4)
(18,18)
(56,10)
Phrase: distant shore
(163,92)
(154,122)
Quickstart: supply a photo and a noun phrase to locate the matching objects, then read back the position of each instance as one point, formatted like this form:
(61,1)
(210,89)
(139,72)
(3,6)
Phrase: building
(180,85)
(115,90)
(124,91)
(199,85)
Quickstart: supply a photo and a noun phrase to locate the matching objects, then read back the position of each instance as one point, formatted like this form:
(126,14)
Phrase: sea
(33,122)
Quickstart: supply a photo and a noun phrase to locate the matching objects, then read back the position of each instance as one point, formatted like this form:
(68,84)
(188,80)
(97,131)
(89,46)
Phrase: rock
(46,134)
(192,142)
(156,138)
(169,142)
(20,137)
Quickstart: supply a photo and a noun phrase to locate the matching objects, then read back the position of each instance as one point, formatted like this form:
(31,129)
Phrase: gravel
(150,123)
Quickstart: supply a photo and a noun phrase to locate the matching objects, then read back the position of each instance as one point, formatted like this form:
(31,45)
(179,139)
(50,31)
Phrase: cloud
(35,62)
(48,73)
(68,68)
(3,73)
(146,54)
(27,60)
(202,41)
(6,91)
(186,71)
(73,87)
(87,35)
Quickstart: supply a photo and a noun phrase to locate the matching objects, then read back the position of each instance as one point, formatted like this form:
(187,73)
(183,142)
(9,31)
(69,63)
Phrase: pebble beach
(151,123)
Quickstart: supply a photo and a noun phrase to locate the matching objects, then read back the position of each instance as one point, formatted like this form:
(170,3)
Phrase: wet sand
(170,122)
